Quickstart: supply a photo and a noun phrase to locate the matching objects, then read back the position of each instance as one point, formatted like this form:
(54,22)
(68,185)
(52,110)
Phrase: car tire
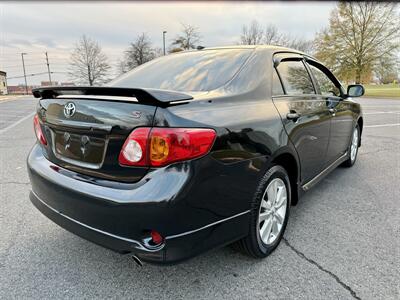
(353,147)
(257,243)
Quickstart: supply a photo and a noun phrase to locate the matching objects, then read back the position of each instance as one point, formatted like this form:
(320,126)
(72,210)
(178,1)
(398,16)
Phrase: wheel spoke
(278,191)
(281,203)
(264,204)
(279,218)
(271,193)
(278,194)
(274,229)
(266,230)
(264,216)
(281,199)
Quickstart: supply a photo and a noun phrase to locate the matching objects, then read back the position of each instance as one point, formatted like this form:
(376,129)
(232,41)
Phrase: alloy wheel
(272,211)
(354,145)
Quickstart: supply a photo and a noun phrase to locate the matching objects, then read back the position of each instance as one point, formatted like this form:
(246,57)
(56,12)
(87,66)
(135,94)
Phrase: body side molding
(324,172)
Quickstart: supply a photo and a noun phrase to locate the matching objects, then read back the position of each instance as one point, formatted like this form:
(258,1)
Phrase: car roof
(271,48)
(268,47)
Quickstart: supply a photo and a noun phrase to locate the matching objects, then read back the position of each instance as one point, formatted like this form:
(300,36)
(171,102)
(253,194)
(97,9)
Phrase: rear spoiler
(155,97)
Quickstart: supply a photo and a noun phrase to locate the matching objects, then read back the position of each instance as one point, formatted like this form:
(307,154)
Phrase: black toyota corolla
(192,151)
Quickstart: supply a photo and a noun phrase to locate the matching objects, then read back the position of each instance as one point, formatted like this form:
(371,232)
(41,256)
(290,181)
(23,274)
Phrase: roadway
(342,240)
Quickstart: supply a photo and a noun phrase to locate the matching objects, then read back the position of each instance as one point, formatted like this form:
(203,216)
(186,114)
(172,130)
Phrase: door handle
(332,111)
(293,116)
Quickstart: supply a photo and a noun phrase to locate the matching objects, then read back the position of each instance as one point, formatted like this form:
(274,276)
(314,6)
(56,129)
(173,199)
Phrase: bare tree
(303,45)
(255,35)
(158,52)
(88,63)
(252,34)
(121,67)
(188,38)
(386,71)
(139,52)
(360,34)
(272,36)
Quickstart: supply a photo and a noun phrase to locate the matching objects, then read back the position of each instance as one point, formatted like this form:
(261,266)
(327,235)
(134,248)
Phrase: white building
(3,83)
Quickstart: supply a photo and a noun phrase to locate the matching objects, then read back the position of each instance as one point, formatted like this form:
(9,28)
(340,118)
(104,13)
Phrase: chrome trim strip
(80,125)
(206,226)
(98,97)
(182,101)
(324,172)
(139,245)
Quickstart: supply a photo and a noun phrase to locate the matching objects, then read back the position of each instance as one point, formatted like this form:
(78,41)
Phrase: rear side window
(276,84)
(295,78)
(326,86)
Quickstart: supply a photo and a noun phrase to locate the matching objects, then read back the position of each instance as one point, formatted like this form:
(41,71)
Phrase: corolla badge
(69,109)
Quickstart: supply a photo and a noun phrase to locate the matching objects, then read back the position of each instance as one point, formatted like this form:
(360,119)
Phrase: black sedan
(192,151)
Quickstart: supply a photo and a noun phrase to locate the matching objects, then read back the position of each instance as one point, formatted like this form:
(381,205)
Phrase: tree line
(361,41)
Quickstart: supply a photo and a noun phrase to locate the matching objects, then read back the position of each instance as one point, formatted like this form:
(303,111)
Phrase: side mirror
(355,90)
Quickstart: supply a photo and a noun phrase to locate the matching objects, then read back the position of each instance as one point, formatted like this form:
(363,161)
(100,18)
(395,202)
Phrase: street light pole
(163,33)
(23,65)
(48,67)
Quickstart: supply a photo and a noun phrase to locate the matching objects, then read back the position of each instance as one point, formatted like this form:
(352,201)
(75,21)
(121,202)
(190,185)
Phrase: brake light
(38,130)
(169,145)
(162,146)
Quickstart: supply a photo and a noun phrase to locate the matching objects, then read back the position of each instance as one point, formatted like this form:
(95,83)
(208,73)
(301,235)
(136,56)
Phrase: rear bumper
(105,239)
(120,216)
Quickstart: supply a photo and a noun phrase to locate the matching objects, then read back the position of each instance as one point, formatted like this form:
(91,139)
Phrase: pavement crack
(313,262)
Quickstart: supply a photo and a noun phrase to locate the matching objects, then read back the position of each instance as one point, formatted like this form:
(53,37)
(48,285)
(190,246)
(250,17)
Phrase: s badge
(137,114)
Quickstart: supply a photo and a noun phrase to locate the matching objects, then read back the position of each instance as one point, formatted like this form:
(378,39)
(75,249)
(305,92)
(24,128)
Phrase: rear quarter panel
(249,134)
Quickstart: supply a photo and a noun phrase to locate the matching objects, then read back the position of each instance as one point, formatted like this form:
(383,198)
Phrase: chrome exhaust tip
(137,260)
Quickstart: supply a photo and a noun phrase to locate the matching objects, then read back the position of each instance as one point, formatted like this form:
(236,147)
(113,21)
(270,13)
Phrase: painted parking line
(382,125)
(364,107)
(381,112)
(17,123)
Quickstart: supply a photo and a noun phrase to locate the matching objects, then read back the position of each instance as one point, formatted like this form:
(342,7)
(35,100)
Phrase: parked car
(192,151)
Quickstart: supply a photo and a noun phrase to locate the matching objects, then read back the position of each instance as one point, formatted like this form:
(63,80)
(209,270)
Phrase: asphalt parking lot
(342,241)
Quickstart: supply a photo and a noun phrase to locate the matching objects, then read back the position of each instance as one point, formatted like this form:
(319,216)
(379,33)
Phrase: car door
(305,114)
(340,114)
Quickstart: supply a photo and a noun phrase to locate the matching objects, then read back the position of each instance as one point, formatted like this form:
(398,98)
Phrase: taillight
(134,150)
(169,145)
(38,131)
(161,146)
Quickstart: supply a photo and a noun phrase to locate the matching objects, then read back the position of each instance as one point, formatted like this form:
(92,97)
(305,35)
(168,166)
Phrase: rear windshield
(188,71)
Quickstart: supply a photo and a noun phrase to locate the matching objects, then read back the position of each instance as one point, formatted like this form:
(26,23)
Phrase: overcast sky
(35,27)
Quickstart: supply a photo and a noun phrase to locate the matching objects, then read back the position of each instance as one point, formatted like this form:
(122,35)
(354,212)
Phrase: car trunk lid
(86,132)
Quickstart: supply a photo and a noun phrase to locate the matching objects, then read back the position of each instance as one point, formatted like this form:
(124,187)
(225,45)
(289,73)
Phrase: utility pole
(23,65)
(6,84)
(163,33)
(48,67)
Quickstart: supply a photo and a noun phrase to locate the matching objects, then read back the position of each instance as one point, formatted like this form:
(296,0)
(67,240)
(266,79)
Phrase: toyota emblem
(69,109)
